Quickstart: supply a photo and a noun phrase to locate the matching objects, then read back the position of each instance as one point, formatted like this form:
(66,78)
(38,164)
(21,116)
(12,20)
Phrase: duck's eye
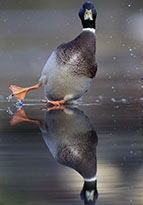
(88,15)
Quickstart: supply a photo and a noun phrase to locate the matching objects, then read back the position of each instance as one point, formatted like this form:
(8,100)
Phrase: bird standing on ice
(69,71)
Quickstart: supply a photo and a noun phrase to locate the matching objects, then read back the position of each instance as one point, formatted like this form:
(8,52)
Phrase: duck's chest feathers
(78,55)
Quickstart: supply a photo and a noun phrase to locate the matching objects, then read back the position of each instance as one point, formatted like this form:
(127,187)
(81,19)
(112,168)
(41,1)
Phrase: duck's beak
(88,15)
(90,195)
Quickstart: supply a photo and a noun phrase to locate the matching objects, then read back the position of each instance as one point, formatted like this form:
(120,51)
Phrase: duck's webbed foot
(55,103)
(20,93)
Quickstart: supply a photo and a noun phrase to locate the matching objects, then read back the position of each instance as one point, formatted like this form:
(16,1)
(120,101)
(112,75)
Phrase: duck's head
(87,15)
(89,193)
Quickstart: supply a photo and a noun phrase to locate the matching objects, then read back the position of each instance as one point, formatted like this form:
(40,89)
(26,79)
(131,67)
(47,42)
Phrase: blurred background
(31,29)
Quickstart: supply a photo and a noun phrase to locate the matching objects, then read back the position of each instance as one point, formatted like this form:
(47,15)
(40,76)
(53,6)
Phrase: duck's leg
(60,102)
(20,93)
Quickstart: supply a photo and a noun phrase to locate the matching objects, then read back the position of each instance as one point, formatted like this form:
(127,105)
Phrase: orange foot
(20,116)
(56,103)
(20,93)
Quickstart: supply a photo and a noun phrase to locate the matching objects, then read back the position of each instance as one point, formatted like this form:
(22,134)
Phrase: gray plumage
(70,69)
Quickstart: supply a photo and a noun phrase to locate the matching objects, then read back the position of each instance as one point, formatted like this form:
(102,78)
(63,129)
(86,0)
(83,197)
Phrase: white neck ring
(90,180)
(89,29)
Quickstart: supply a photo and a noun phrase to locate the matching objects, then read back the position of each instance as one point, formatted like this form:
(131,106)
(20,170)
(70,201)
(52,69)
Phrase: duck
(72,141)
(71,67)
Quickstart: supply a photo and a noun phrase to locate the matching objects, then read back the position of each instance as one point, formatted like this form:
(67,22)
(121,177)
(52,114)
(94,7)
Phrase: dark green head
(88,15)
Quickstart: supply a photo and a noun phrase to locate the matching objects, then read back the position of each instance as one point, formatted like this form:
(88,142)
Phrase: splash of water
(9,97)
(19,105)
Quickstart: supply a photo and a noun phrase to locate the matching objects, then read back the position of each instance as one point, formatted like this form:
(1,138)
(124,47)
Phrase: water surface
(31,175)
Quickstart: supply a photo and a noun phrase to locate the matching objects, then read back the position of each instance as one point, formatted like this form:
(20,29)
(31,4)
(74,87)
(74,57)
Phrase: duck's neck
(88,24)
(89,192)
(93,30)
(90,179)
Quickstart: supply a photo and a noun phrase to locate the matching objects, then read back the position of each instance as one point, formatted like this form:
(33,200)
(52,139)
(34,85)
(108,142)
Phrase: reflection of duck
(71,67)
(72,141)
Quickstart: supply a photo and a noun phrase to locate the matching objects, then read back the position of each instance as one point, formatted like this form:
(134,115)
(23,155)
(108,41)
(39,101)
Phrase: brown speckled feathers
(79,54)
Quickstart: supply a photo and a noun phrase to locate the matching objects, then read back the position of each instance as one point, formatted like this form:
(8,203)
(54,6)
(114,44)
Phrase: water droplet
(129,5)
(123,100)
(113,99)
(100,97)
(9,111)
(9,97)
(116,107)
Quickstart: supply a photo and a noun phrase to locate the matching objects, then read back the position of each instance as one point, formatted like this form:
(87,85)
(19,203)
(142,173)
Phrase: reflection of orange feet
(55,107)
(20,116)
(20,93)
(56,103)
(44,101)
